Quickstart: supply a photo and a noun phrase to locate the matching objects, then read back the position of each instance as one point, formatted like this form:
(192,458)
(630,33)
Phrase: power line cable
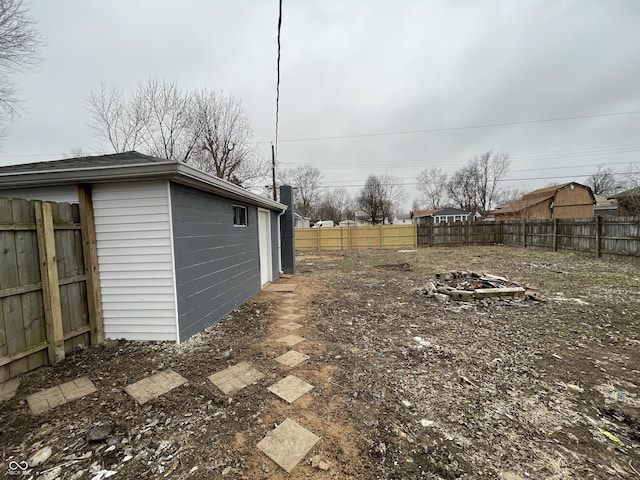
(518,158)
(408,184)
(278,73)
(522,171)
(466,127)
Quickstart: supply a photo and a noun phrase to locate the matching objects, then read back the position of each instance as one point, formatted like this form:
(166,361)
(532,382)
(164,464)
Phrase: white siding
(133,232)
(66,193)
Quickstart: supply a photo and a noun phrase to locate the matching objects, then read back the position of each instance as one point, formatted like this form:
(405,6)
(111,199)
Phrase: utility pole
(273,171)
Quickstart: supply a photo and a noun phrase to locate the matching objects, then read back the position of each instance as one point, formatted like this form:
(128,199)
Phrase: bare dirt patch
(404,386)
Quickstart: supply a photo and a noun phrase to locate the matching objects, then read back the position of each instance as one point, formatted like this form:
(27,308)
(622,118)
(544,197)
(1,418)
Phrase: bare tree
(475,186)
(19,45)
(432,185)
(207,130)
(115,119)
(370,198)
(604,181)
(307,188)
(461,188)
(75,152)
(225,145)
(380,197)
(394,194)
(489,169)
(508,195)
(336,205)
(629,199)
(168,116)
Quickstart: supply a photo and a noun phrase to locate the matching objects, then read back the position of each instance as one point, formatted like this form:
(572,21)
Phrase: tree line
(475,188)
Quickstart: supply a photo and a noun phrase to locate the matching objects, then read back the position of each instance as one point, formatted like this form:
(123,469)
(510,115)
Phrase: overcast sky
(353,68)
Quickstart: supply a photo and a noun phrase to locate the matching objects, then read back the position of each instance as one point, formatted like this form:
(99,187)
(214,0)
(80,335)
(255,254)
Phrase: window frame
(240,208)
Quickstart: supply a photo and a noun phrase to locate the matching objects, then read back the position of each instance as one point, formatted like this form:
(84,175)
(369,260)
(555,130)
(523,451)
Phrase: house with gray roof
(442,215)
(177,248)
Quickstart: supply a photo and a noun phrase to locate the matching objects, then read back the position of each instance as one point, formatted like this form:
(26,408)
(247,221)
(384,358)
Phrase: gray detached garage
(177,248)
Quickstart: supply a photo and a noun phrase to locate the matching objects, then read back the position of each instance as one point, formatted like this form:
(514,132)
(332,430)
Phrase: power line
(409,184)
(278,73)
(518,157)
(522,171)
(466,127)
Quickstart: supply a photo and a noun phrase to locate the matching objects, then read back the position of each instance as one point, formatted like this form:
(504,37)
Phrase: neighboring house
(348,223)
(442,215)
(605,207)
(628,201)
(402,218)
(422,216)
(567,200)
(363,218)
(177,248)
(301,222)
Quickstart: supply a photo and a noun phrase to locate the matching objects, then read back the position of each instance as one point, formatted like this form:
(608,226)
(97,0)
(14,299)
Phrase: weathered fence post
(430,226)
(596,220)
(50,282)
(89,247)
(524,232)
(555,234)
(381,237)
(415,235)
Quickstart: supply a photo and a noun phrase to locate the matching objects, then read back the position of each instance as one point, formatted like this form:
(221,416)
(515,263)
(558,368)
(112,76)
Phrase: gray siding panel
(217,264)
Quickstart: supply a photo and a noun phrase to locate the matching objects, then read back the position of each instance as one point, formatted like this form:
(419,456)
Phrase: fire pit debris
(486,288)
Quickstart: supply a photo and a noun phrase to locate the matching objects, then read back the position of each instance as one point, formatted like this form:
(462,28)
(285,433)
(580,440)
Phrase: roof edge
(166,170)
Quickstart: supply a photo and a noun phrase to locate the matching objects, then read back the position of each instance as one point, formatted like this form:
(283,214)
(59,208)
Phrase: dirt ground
(405,386)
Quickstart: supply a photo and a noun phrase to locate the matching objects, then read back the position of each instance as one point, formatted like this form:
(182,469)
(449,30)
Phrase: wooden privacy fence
(48,301)
(597,235)
(348,238)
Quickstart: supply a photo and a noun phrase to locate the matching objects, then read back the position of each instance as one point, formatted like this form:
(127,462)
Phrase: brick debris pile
(483,288)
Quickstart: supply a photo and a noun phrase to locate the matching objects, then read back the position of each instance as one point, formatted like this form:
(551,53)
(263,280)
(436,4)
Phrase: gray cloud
(357,67)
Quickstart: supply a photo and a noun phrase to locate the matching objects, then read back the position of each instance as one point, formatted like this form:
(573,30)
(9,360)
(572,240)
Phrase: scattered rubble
(483,288)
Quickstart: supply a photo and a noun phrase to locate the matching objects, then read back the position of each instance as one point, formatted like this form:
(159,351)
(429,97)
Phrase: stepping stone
(280,287)
(290,296)
(291,326)
(290,388)
(45,400)
(287,444)
(235,378)
(292,358)
(291,308)
(292,317)
(8,389)
(154,386)
(291,340)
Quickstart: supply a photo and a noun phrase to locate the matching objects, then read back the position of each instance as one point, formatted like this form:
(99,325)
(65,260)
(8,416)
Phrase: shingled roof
(123,167)
(111,160)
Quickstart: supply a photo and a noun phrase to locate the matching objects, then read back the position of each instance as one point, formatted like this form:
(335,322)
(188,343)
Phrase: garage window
(239,216)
